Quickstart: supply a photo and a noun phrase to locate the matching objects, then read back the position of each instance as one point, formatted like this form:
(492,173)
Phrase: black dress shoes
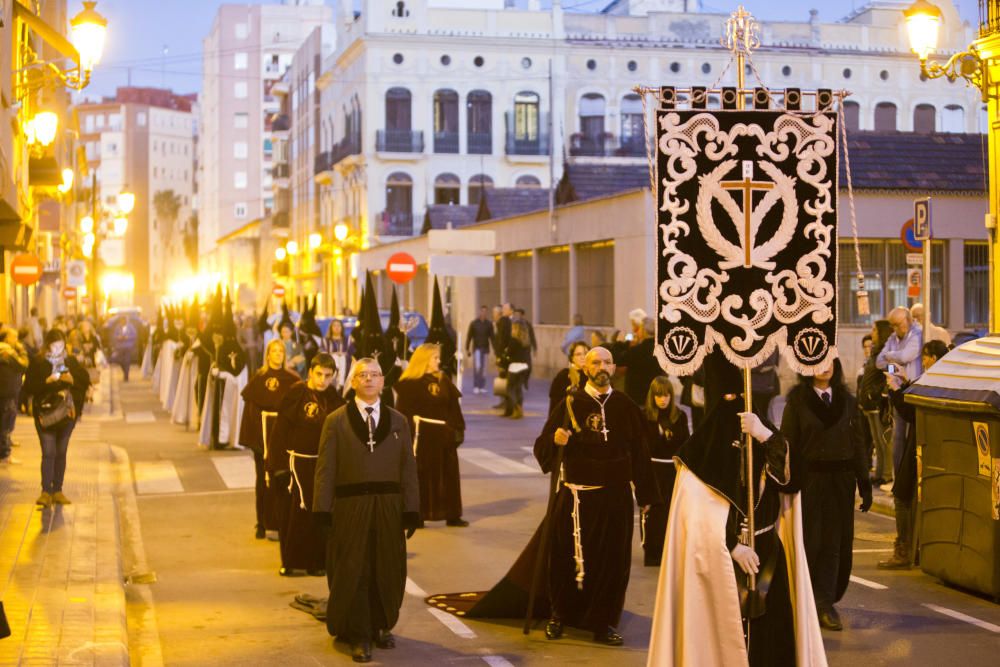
(829,619)
(554,628)
(259,534)
(384,639)
(457,523)
(361,652)
(609,636)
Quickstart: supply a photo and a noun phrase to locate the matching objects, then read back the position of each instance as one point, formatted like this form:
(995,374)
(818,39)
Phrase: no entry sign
(26,270)
(69,293)
(278,291)
(401,268)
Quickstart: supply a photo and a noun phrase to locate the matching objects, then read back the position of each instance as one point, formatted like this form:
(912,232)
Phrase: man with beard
(264,393)
(367,490)
(605,453)
(293,449)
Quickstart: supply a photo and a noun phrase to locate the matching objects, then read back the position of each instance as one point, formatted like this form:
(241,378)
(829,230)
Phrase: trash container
(958,438)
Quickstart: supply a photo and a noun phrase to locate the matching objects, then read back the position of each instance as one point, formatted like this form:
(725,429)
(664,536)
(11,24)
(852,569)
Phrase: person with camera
(58,385)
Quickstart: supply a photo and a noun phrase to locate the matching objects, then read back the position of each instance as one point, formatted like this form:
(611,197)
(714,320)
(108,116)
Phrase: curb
(110,625)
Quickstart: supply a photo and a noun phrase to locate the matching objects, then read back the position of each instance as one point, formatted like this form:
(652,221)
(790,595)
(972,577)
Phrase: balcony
(631,147)
(446,142)
(395,223)
(277,123)
(322,162)
(345,148)
(480,143)
(399,141)
(280,171)
(599,145)
(527,139)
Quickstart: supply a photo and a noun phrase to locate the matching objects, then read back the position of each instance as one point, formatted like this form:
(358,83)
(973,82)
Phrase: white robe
(230,412)
(147,360)
(165,377)
(697,622)
(184,409)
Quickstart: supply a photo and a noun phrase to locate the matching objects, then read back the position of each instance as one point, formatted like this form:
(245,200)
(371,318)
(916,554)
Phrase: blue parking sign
(922,219)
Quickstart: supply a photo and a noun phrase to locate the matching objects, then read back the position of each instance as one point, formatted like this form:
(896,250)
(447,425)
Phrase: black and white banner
(747,237)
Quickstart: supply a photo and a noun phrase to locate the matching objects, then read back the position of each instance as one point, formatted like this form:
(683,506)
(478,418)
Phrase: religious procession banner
(746,237)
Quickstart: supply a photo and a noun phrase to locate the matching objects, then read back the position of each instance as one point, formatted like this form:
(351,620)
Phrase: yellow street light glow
(292,247)
(67,180)
(88,251)
(121,225)
(88,239)
(117,282)
(87,225)
(87,32)
(923,23)
(280,254)
(45,127)
(126,202)
(185,289)
(340,232)
(315,240)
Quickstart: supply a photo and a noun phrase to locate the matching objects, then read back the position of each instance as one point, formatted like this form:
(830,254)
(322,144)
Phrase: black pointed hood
(394,333)
(229,323)
(262,324)
(216,317)
(307,322)
(439,333)
(193,315)
(372,342)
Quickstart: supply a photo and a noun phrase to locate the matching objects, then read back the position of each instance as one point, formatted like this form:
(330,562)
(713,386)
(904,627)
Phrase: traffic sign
(76,273)
(26,269)
(914,277)
(472,266)
(401,268)
(910,241)
(278,291)
(462,240)
(922,219)
(69,292)
(914,259)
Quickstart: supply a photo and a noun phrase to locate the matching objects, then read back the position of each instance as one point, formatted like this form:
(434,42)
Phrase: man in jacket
(478,341)
(124,339)
(13,363)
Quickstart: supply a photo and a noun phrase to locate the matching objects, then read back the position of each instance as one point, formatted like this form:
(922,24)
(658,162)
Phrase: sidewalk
(65,600)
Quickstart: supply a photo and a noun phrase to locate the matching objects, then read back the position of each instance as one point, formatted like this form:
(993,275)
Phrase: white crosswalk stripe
(156,477)
(140,417)
(237,472)
(495,463)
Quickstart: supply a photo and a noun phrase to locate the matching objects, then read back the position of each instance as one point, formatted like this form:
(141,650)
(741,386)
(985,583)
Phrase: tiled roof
(439,215)
(908,161)
(600,180)
(505,202)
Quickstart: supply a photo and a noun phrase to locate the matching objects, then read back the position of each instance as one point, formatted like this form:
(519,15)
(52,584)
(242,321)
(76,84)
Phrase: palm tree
(167,205)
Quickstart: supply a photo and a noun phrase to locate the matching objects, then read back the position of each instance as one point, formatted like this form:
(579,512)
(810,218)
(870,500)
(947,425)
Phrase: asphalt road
(218,598)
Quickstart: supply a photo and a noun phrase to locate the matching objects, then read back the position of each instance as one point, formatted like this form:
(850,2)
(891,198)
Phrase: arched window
(528,181)
(477,184)
(447,189)
(397,219)
(924,119)
(479,122)
(632,136)
(885,117)
(397,109)
(445,121)
(953,119)
(852,116)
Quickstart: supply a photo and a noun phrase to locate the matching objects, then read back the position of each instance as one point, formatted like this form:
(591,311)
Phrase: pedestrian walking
(904,488)
(570,378)
(821,417)
(264,393)
(875,406)
(57,385)
(501,341)
(124,339)
(13,364)
(516,364)
(902,350)
(367,492)
(666,431)
(478,342)
(429,400)
(605,455)
(293,450)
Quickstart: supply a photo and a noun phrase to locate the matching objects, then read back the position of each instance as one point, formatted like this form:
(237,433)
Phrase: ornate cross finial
(742,32)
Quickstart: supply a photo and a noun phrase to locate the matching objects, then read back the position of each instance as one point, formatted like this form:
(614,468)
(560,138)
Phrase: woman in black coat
(50,372)
(666,431)
(570,377)
(821,417)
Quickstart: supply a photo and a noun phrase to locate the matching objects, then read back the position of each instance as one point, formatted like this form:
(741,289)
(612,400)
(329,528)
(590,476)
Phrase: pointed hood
(286,318)
(371,342)
(229,325)
(216,316)
(193,315)
(438,333)
(394,333)
(262,324)
(307,322)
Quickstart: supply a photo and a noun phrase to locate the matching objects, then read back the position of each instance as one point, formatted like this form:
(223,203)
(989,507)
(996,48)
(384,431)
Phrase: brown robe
(437,445)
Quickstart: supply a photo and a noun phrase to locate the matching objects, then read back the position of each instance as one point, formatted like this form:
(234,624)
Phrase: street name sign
(401,268)
(922,219)
(462,240)
(469,266)
(26,269)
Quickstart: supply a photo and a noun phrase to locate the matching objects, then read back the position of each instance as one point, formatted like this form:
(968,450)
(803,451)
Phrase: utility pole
(96,247)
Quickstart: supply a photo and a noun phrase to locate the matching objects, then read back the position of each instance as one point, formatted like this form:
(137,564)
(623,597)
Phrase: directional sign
(26,269)
(76,273)
(69,293)
(922,219)
(473,266)
(462,240)
(401,268)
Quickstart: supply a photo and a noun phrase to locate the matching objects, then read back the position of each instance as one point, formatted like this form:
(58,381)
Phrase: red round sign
(69,292)
(401,268)
(25,270)
(278,291)
(909,239)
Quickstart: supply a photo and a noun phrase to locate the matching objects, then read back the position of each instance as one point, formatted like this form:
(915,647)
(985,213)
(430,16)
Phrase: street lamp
(126,201)
(315,240)
(280,254)
(340,232)
(67,181)
(292,247)
(43,128)
(923,24)
(120,225)
(87,32)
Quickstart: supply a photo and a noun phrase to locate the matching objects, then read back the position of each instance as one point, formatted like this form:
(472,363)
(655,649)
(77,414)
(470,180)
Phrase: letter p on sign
(922,219)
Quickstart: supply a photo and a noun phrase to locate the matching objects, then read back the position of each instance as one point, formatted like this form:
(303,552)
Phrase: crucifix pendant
(371,443)
(605,431)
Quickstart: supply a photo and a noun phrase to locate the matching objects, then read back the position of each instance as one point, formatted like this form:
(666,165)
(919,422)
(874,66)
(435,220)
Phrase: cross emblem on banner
(747,186)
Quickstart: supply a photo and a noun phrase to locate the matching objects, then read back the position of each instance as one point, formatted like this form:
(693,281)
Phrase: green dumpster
(958,437)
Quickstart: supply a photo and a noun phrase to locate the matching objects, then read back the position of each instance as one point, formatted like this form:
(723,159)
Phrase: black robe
(297,430)
(370,495)
(614,461)
(437,444)
(560,385)
(665,437)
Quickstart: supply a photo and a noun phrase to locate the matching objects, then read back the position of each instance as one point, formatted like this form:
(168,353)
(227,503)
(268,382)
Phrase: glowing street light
(87,33)
(126,201)
(43,128)
(280,254)
(315,240)
(292,247)
(121,225)
(923,23)
(87,225)
(340,232)
(67,181)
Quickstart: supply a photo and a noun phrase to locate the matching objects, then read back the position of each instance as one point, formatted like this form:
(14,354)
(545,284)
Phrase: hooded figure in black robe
(309,333)
(264,393)
(371,342)
(605,454)
(367,488)
(394,332)
(227,361)
(439,334)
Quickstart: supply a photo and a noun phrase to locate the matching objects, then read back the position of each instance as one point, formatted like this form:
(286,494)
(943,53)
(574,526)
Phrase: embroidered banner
(747,237)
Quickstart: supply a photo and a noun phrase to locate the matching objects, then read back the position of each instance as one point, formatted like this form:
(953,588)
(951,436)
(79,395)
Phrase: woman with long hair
(429,400)
(667,430)
(517,365)
(569,378)
(57,384)
(873,404)
(822,419)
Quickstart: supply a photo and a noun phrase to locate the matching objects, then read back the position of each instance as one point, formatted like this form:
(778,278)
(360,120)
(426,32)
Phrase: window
(520,281)
(240,210)
(923,119)
(590,140)
(397,109)
(241,120)
(240,180)
(953,119)
(240,150)
(88,124)
(479,122)
(632,65)
(240,90)
(446,60)
(595,273)
(553,273)
(528,181)
(241,61)
(241,30)
(477,185)
(140,119)
(526,117)
(99,120)
(268,149)
(852,116)
(397,58)
(478,61)
(447,189)
(445,121)
(398,215)
(526,63)
(633,136)
(885,117)
(977,289)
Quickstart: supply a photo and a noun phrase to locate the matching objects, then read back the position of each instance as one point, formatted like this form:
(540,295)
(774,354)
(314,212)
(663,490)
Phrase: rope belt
(577,530)
(662,460)
(416,428)
(294,481)
(766,529)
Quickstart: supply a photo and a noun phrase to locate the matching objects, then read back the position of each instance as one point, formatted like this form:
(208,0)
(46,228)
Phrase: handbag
(499,386)
(56,409)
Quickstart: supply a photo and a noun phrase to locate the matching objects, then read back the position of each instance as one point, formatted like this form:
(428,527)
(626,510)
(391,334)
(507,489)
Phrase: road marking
(156,477)
(870,584)
(452,623)
(236,471)
(495,463)
(963,617)
(873,551)
(413,589)
(497,661)
(195,494)
(140,417)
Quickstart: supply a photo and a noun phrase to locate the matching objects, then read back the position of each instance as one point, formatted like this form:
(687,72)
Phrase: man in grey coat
(366,491)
